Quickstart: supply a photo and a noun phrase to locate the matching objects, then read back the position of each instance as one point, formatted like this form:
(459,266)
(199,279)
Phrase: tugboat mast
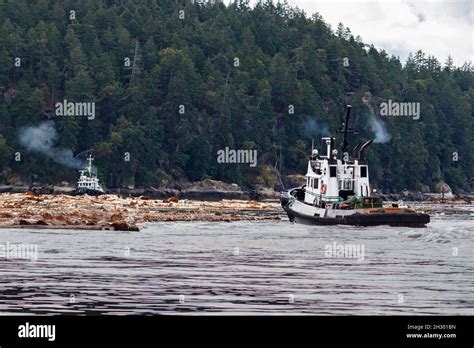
(89,166)
(346,130)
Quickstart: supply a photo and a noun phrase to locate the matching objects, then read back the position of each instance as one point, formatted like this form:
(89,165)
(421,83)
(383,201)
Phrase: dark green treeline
(174,82)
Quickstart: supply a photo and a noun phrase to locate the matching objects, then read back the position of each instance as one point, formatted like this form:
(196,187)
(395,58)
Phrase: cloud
(438,27)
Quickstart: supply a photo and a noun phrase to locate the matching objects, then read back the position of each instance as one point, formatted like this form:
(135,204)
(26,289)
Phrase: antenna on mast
(89,160)
(346,130)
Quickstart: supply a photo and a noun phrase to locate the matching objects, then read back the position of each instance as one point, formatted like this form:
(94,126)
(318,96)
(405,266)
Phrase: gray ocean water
(243,268)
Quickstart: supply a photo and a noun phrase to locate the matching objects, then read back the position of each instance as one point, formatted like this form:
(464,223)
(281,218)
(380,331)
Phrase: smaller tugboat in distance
(88,182)
(337,191)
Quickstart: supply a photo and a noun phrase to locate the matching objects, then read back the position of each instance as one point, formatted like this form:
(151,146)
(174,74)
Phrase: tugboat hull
(82,191)
(406,220)
(307,214)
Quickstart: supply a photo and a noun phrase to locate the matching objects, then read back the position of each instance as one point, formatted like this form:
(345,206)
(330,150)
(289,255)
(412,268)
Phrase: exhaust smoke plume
(376,124)
(40,139)
(378,127)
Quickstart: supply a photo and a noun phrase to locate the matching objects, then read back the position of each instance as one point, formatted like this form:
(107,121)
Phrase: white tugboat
(337,191)
(88,182)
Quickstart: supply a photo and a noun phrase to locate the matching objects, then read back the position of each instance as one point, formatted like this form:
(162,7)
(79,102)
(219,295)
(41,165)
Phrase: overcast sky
(438,27)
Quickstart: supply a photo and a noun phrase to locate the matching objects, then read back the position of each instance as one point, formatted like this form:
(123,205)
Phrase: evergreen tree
(217,76)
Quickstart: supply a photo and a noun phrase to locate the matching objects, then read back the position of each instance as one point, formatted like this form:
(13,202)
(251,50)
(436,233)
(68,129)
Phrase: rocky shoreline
(213,190)
(206,190)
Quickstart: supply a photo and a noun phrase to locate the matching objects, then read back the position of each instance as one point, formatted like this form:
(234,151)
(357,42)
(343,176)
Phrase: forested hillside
(174,82)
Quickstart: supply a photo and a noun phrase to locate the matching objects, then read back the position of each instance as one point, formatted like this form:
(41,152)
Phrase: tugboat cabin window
(332,171)
(363,172)
(315,183)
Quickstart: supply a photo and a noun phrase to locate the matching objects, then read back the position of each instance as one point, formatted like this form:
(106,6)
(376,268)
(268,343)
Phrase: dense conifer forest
(174,82)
